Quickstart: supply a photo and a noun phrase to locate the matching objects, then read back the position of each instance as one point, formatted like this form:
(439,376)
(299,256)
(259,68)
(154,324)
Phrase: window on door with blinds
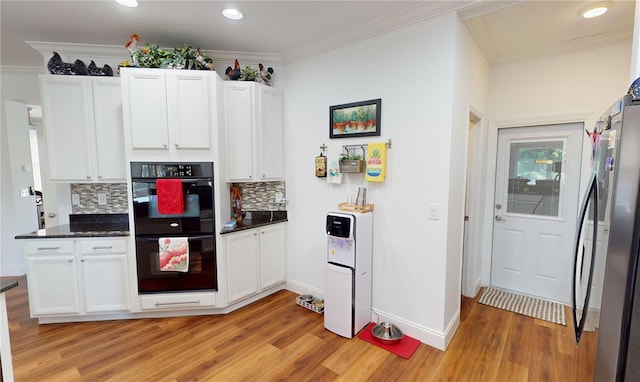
(535,177)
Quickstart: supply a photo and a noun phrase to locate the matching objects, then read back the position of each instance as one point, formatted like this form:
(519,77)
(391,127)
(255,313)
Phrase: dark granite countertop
(84,225)
(258,219)
(6,285)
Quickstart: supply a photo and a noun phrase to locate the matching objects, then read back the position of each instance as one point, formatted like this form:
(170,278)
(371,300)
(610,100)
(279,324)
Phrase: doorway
(474,206)
(535,209)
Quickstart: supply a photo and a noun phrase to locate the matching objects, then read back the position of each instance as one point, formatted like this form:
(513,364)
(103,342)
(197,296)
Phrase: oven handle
(155,238)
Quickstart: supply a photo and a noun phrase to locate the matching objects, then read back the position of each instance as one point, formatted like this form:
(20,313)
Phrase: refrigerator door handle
(592,194)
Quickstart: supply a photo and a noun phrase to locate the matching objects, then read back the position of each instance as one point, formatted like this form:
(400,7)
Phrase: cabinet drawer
(178,301)
(103,246)
(48,247)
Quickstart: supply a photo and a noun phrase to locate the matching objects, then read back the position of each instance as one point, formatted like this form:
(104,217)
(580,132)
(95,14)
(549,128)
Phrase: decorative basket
(353,208)
(310,306)
(352,165)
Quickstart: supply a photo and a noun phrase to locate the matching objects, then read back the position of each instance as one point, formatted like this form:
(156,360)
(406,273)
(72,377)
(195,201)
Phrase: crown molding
(616,37)
(422,11)
(478,30)
(480,8)
(22,69)
(117,53)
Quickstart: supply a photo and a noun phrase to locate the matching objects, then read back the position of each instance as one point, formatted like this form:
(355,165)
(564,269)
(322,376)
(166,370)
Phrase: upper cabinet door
(188,109)
(67,121)
(271,161)
(107,106)
(239,112)
(147,104)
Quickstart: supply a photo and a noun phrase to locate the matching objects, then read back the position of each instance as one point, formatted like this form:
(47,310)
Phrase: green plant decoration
(152,56)
(248,74)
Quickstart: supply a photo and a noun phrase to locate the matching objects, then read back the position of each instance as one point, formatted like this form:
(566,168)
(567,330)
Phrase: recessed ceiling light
(128,3)
(595,10)
(232,14)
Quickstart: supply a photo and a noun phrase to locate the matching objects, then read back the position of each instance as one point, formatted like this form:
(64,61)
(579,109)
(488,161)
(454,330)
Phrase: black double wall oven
(173,202)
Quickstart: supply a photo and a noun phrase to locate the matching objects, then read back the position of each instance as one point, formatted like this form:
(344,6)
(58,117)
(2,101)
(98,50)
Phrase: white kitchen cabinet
(77,277)
(255,260)
(83,128)
(254,132)
(169,109)
(104,274)
(272,255)
(242,264)
(53,285)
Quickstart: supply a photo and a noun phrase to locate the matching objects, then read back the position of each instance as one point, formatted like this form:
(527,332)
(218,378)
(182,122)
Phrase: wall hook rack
(363,147)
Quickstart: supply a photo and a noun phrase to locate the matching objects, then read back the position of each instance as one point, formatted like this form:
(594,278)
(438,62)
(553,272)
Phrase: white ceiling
(506,31)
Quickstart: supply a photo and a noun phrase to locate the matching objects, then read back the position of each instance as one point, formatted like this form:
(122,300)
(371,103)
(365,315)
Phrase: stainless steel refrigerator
(609,230)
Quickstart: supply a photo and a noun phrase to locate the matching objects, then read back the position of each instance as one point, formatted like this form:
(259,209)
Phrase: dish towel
(333,166)
(170,198)
(376,162)
(173,254)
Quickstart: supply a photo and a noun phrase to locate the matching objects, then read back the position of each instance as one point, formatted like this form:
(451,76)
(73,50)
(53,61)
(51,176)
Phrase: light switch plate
(75,199)
(434,211)
(102,199)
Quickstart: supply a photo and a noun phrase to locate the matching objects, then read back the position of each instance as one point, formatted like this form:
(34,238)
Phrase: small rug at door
(404,348)
(526,305)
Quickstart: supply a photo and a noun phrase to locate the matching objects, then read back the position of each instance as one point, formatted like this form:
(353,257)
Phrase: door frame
(486,243)
(474,203)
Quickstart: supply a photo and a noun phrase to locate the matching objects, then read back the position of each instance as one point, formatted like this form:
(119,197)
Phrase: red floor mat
(405,348)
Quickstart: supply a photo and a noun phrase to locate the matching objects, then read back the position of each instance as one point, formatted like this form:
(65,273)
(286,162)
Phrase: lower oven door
(201,273)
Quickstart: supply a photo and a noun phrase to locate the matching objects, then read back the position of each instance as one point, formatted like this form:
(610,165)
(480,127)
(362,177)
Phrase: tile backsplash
(88,193)
(261,196)
(255,197)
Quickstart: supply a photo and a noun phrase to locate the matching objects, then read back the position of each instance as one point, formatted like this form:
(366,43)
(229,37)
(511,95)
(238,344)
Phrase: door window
(535,173)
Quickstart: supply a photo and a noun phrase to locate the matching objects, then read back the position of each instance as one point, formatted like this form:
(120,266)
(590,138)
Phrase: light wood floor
(276,340)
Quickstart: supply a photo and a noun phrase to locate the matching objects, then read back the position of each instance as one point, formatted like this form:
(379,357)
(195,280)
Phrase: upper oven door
(197,215)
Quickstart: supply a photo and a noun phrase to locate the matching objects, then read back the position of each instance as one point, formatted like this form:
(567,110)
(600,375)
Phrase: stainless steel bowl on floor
(387,333)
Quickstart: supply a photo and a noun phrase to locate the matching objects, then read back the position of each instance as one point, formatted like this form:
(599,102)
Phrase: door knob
(499,218)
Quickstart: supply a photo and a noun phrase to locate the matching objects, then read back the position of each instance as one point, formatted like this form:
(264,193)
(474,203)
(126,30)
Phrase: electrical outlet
(102,199)
(279,196)
(75,199)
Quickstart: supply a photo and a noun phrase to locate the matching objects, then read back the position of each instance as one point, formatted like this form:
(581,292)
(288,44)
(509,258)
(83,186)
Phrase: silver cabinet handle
(177,303)
(83,260)
(104,247)
(70,261)
(48,248)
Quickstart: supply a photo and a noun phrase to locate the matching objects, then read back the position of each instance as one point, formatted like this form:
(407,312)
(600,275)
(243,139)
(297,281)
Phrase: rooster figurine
(266,74)
(234,73)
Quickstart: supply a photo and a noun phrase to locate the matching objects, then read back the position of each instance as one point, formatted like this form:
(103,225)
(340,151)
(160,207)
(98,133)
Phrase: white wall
(21,86)
(470,92)
(412,69)
(574,87)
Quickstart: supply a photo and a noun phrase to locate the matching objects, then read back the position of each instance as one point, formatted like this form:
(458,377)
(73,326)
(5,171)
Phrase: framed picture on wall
(358,119)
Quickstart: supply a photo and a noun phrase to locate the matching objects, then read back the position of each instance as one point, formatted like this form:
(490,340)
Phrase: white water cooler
(347,281)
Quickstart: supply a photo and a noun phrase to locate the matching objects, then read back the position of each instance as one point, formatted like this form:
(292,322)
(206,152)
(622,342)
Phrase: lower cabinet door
(105,283)
(242,264)
(53,285)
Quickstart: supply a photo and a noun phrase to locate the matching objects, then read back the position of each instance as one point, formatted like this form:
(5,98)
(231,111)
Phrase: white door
(535,209)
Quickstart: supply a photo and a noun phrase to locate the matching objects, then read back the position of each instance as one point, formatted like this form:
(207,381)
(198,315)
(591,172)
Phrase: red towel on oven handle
(170,197)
